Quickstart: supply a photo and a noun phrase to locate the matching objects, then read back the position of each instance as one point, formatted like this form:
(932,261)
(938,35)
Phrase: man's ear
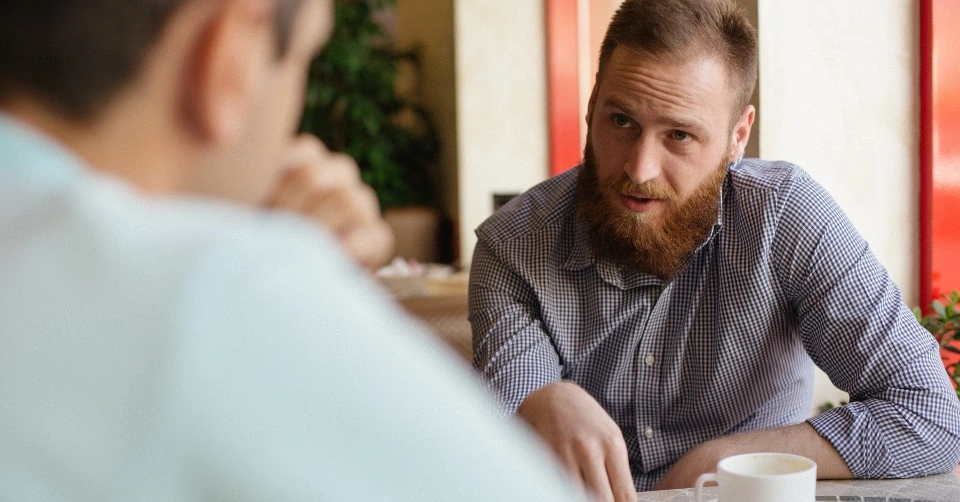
(231,54)
(741,132)
(593,99)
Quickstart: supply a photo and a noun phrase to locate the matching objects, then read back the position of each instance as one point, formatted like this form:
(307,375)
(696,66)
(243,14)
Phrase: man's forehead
(625,55)
(694,78)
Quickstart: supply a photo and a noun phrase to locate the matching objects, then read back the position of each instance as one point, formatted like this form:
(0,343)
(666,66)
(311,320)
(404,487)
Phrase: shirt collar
(30,154)
(581,255)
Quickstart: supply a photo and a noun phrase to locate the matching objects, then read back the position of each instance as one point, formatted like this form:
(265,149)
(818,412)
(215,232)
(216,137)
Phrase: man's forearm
(801,439)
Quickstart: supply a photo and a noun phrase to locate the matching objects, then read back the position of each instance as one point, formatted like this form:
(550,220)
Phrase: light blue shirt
(180,349)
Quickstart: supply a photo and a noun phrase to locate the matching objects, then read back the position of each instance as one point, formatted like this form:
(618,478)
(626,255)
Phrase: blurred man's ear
(231,53)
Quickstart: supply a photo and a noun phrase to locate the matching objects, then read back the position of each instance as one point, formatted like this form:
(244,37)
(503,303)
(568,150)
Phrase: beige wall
(501,105)
(839,95)
(428,24)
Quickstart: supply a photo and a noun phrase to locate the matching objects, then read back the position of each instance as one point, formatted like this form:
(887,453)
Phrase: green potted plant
(943,322)
(353,105)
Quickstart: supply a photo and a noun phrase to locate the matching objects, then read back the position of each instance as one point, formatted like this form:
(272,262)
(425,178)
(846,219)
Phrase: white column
(839,90)
(501,105)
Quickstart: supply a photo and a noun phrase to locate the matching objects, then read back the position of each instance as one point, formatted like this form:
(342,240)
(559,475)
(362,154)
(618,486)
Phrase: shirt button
(648,432)
(649,360)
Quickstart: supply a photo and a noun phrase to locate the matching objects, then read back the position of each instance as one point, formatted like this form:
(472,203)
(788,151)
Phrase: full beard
(659,246)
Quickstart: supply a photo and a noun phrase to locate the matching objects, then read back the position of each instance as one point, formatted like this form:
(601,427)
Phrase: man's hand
(326,187)
(587,441)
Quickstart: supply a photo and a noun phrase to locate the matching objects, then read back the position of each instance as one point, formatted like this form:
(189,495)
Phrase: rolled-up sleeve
(512,349)
(904,417)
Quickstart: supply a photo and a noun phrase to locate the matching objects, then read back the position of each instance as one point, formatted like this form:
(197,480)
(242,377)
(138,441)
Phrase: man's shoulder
(227,227)
(160,250)
(207,229)
(543,208)
(765,175)
(782,187)
(238,250)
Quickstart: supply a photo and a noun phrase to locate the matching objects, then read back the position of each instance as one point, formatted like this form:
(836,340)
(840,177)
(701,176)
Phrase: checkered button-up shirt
(726,345)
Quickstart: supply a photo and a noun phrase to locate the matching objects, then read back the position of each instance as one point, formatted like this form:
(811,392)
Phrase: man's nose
(643,163)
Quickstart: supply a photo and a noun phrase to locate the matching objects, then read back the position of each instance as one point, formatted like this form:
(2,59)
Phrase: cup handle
(704,478)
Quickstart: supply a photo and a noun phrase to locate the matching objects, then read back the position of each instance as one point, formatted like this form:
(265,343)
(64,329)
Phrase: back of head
(680,30)
(75,55)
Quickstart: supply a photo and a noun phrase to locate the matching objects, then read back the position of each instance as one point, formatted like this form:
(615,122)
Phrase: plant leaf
(939,308)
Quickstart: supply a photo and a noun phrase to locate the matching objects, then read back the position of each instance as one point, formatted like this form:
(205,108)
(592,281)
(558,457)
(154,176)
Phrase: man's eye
(621,120)
(679,136)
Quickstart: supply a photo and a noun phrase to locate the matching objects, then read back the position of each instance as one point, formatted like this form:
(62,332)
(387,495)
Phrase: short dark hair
(77,54)
(678,30)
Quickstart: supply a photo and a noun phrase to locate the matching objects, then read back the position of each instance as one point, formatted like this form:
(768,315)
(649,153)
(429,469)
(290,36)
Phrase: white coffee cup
(762,477)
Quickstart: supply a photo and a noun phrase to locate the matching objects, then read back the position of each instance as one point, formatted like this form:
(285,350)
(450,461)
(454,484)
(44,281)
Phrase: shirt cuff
(857,438)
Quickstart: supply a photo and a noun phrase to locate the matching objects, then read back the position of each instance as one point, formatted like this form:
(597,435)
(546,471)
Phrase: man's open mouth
(638,198)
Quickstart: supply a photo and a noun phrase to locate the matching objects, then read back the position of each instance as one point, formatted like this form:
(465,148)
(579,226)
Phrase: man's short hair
(678,30)
(77,54)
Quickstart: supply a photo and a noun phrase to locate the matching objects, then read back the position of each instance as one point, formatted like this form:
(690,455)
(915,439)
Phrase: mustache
(651,189)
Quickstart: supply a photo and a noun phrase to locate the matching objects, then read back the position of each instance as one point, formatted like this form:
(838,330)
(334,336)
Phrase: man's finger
(294,190)
(371,246)
(308,165)
(569,462)
(332,168)
(336,169)
(343,208)
(621,481)
(304,150)
(595,478)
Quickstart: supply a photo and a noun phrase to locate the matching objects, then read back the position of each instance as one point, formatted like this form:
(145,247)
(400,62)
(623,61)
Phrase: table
(942,487)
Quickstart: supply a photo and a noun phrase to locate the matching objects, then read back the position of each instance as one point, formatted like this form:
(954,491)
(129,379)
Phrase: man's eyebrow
(670,121)
(616,103)
(681,123)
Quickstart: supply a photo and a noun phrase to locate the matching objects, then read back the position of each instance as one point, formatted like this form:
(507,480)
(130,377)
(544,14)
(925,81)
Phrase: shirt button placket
(648,367)
(649,360)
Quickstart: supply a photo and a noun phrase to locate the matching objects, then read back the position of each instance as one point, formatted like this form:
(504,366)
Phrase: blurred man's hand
(326,187)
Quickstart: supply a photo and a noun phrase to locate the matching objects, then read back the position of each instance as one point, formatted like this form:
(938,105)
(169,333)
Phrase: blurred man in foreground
(159,344)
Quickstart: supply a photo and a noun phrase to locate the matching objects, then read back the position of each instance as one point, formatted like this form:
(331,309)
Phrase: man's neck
(117,143)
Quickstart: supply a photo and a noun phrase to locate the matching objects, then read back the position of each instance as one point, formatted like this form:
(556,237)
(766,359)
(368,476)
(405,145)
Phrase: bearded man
(658,308)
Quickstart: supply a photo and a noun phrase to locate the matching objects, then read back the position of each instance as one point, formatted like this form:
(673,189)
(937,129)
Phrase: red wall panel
(940,148)
(563,84)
